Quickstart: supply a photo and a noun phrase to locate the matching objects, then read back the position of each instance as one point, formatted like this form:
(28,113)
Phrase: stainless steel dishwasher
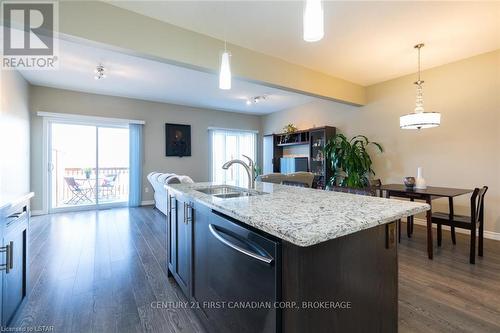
(236,276)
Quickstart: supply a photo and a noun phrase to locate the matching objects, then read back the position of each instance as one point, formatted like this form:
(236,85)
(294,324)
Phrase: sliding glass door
(88,164)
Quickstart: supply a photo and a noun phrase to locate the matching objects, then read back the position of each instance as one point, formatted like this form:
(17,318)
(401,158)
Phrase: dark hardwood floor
(104,271)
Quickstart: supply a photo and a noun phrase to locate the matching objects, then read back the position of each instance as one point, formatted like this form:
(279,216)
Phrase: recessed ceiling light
(99,72)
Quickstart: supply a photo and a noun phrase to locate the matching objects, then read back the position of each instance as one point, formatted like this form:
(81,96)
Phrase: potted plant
(87,172)
(289,130)
(350,162)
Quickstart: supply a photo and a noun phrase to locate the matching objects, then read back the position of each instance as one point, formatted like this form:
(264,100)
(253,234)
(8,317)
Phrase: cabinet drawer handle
(185,216)
(9,257)
(172,205)
(16,217)
(238,248)
(189,213)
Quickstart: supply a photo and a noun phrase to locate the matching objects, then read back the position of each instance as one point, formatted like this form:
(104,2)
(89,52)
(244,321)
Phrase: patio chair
(80,193)
(108,186)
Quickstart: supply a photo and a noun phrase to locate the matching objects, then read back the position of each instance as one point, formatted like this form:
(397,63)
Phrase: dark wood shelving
(293,143)
(315,138)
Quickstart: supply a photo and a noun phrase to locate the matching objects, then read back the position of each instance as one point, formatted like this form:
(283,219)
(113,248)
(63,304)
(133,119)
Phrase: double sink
(227,191)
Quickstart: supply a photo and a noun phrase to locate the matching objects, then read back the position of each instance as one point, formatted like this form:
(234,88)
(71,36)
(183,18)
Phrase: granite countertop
(304,216)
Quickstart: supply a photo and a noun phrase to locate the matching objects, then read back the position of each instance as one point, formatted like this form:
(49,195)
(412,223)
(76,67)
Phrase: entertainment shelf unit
(314,138)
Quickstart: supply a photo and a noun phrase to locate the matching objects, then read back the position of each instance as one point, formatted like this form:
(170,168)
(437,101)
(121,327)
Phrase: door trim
(47,156)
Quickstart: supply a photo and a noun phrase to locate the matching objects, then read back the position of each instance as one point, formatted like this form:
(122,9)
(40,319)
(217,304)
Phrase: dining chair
(376,184)
(472,223)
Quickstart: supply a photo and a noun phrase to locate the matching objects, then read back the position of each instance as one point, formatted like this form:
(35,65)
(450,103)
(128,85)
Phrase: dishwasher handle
(217,235)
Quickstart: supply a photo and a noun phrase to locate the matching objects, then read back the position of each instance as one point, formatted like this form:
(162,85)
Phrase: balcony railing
(114,191)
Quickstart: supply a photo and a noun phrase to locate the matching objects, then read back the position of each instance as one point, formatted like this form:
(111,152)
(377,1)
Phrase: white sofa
(158,181)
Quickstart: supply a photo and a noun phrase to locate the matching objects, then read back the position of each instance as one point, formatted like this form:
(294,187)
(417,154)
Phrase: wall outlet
(146,189)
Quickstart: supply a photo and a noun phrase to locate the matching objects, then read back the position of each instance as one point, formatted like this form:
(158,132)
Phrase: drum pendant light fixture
(419,119)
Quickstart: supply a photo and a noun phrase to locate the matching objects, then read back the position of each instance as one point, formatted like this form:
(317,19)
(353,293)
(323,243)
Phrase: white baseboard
(487,234)
(38,212)
(147,203)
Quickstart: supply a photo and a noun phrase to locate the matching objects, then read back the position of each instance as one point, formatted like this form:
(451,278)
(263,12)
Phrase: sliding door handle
(224,241)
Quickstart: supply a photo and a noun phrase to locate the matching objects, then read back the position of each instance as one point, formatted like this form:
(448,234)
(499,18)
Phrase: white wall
(14,134)
(154,114)
(462,152)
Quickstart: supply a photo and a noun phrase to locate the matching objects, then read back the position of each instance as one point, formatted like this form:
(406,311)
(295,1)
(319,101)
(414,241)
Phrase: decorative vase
(409,182)
(420,182)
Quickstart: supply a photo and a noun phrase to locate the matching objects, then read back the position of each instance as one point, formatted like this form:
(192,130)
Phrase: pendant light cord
(225,17)
(418,47)
(419,64)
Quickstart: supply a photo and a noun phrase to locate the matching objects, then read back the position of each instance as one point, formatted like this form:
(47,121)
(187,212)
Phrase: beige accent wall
(462,152)
(14,134)
(154,114)
(148,37)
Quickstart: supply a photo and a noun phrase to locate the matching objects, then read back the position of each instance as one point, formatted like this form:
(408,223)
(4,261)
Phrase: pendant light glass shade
(313,21)
(419,119)
(225,71)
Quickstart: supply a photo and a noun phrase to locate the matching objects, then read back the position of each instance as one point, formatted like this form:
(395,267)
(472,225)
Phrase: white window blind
(228,145)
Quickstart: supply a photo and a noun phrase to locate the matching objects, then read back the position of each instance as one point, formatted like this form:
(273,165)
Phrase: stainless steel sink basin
(233,195)
(223,189)
(227,191)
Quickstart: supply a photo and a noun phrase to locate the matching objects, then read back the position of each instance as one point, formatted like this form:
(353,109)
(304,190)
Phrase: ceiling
(135,77)
(365,42)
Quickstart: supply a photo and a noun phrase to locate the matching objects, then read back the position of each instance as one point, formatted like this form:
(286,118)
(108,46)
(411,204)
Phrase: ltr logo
(28,29)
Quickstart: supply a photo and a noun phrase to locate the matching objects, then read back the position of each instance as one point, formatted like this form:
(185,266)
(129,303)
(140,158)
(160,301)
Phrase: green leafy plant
(290,129)
(257,170)
(87,172)
(350,161)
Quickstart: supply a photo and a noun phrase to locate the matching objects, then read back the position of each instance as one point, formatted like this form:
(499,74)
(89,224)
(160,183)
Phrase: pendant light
(419,119)
(225,64)
(313,21)
(225,70)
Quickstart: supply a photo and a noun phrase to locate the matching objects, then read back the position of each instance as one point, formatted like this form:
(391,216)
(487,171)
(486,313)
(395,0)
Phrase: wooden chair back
(477,204)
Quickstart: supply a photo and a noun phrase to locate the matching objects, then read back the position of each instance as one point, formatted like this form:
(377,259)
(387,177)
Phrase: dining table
(428,194)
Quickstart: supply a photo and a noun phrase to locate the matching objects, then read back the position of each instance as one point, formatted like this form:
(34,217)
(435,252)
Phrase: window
(227,145)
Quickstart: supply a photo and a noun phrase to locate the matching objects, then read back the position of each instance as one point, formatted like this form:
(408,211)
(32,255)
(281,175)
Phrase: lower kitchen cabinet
(214,260)
(241,279)
(14,258)
(179,238)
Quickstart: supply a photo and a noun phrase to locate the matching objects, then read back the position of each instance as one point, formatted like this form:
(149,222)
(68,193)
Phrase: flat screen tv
(293,164)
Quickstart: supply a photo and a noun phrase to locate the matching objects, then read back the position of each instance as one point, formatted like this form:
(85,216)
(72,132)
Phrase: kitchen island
(285,259)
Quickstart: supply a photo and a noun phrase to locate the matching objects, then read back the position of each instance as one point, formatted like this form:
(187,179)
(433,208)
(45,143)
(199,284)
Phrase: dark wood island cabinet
(14,228)
(242,279)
